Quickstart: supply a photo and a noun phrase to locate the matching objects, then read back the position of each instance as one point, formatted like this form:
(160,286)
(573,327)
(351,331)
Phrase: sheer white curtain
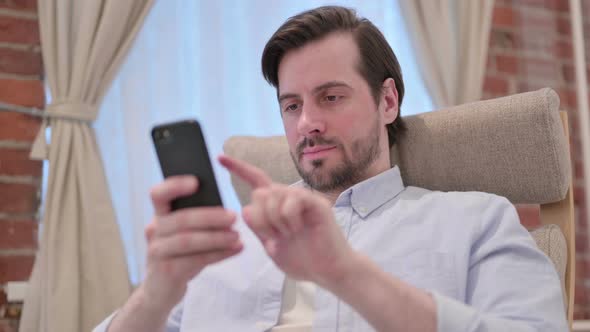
(201,59)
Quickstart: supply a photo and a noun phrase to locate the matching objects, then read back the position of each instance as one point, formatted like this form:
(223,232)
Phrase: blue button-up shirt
(467,249)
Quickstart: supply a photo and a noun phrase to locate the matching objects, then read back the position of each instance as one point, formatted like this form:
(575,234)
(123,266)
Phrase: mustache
(313,141)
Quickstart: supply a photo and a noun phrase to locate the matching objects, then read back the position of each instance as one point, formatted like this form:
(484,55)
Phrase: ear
(389,106)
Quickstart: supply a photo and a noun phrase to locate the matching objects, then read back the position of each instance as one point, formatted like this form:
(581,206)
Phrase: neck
(333,195)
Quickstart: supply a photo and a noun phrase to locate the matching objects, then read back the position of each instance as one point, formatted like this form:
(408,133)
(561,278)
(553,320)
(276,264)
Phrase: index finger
(171,188)
(253,175)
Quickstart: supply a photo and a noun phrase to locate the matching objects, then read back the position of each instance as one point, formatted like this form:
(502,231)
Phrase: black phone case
(182,150)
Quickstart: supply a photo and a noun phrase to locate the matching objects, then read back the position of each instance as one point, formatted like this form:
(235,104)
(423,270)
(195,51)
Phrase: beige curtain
(450,39)
(80,273)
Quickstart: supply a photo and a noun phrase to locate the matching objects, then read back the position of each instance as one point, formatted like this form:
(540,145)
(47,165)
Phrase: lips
(316,150)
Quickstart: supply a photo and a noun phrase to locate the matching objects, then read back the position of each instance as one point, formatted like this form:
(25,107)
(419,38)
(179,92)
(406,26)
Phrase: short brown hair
(377,63)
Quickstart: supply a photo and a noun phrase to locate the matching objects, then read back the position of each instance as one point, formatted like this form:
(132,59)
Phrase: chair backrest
(515,146)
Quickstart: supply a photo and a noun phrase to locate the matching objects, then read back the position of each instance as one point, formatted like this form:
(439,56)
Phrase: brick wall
(530,48)
(20,83)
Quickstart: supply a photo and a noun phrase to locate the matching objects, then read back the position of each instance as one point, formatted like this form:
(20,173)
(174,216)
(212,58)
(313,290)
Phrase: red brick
(18,198)
(19,30)
(581,242)
(563,49)
(20,62)
(490,64)
(582,268)
(496,85)
(567,98)
(580,213)
(578,170)
(549,5)
(507,64)
(18,234)
(569,73)
(18,127)
(559,5)
(575,144)
(27,5)
(504,17)
(585,9)
(17,162)
(581,295)
(581,312)
(16,268)
(564,26)
(579,195)
(529,3)
(22,92)
(581,227)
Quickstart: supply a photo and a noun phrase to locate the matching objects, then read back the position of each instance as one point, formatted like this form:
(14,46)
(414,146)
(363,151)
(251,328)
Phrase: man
(349,248)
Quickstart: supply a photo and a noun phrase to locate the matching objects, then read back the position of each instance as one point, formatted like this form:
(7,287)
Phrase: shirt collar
(366,196)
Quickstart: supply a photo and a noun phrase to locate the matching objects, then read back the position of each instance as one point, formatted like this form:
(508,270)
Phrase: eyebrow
(324,86)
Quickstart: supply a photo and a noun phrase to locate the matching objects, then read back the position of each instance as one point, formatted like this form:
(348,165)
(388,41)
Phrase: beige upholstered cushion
(512,146)
(550,239)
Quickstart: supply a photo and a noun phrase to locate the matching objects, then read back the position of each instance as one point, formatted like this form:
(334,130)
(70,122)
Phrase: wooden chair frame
(561,213)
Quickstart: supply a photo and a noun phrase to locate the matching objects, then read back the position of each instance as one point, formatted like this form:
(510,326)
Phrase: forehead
(334,57)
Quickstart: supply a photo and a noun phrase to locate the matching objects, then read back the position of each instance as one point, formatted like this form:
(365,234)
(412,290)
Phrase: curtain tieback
(68,111)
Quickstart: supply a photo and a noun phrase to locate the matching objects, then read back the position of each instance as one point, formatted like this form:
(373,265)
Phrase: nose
(311,121)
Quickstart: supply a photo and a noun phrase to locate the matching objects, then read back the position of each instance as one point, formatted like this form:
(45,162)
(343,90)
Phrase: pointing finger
(253,175)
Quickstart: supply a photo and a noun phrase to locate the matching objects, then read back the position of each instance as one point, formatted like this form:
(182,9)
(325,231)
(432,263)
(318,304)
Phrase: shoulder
(470,213)
(455,201)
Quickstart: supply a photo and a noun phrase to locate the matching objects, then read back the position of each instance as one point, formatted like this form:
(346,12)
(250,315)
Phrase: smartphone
(182,150)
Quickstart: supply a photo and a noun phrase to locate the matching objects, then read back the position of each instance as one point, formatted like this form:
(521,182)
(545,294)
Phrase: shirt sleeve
(511,286)
(172,324)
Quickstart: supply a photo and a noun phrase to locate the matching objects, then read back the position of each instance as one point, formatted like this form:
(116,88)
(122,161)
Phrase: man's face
(333,126)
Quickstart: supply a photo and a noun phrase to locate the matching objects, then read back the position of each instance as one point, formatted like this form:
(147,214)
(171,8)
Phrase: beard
(352,170)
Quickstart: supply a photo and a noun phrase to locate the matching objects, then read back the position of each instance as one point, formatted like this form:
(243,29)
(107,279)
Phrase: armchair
(515,146)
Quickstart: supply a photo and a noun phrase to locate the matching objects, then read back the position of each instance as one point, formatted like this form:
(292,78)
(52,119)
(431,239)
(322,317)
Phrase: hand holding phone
(180,244)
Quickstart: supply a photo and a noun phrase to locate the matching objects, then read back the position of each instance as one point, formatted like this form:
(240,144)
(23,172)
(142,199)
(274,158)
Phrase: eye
(291,107)
(332,98)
